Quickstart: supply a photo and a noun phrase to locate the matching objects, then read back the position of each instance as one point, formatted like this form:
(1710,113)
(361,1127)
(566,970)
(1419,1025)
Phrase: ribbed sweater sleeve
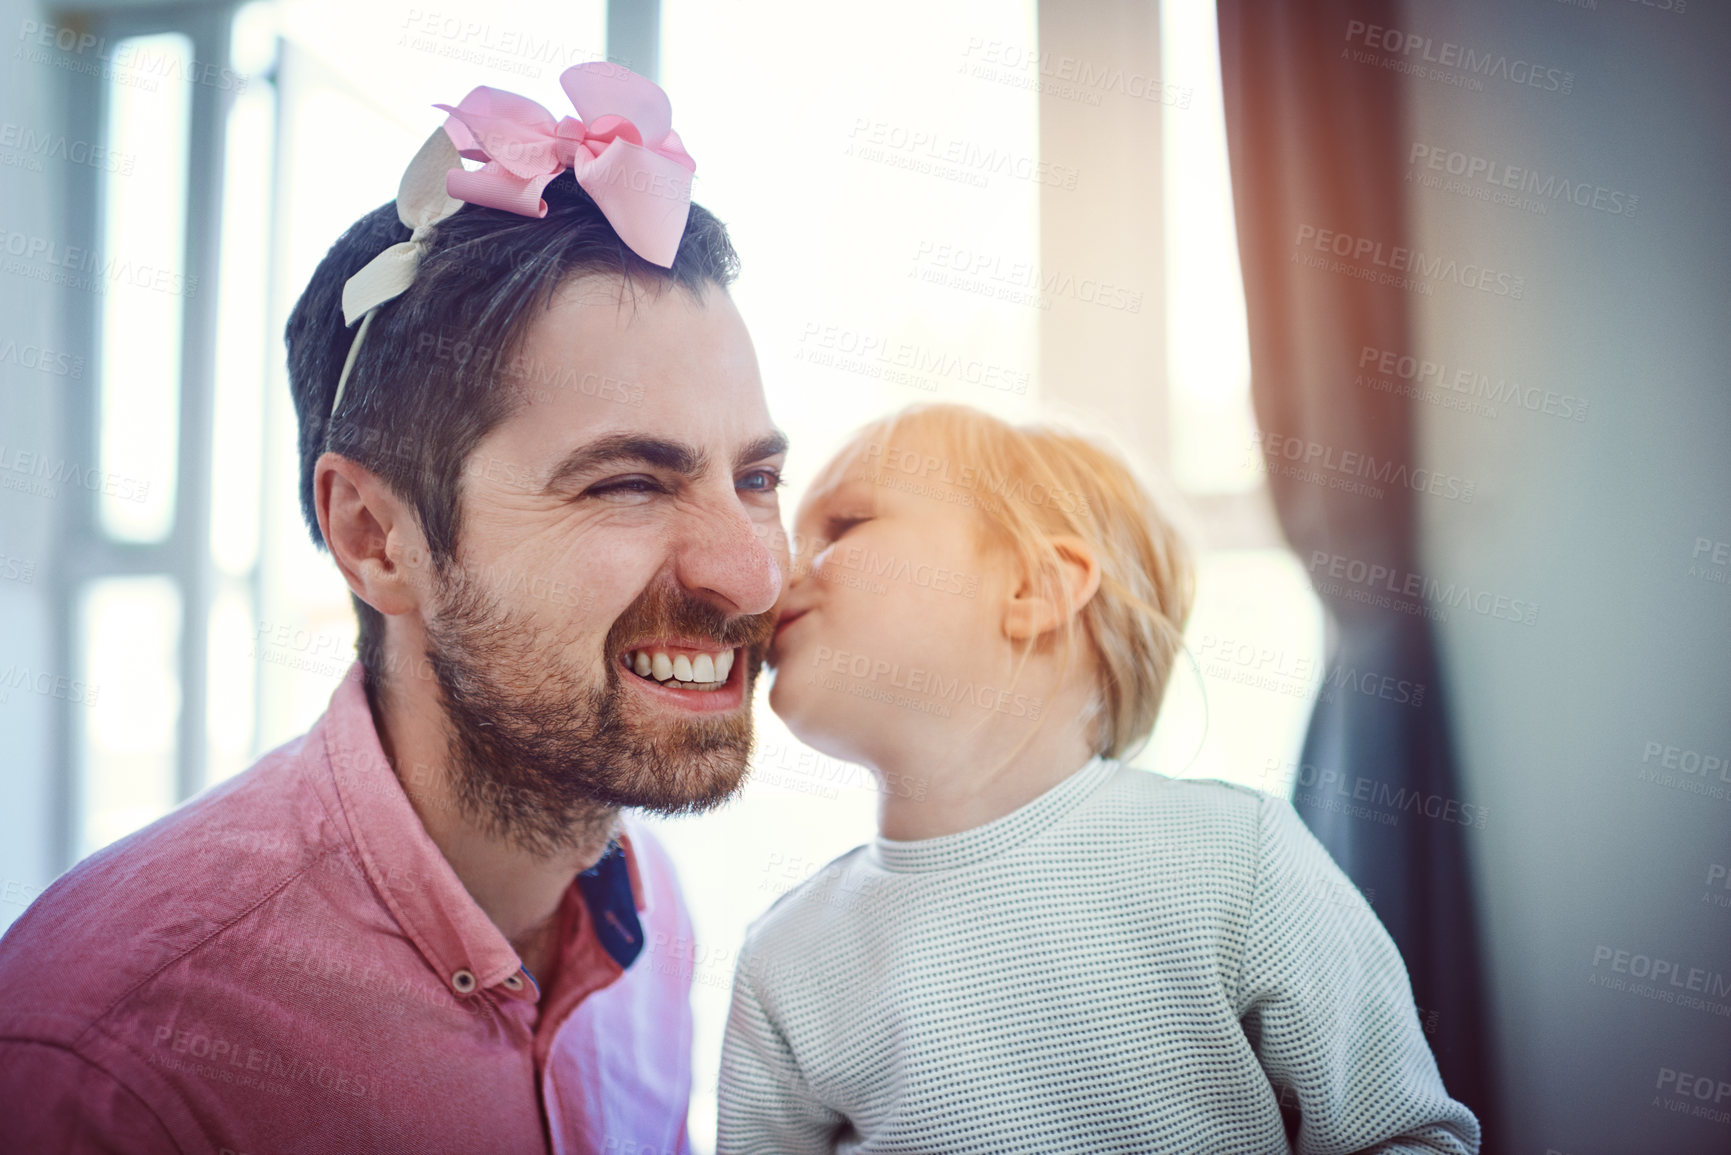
(766,1104)
(1324,1000)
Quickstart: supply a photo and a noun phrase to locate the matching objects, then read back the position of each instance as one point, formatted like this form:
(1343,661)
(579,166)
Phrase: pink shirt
(287,963)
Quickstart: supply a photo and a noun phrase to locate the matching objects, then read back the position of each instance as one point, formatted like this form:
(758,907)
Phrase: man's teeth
(705,671)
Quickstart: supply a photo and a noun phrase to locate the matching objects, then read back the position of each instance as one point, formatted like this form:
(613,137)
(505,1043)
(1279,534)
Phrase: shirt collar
(407,869)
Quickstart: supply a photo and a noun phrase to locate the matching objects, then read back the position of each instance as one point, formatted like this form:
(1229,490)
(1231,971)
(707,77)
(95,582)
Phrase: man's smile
(687,673)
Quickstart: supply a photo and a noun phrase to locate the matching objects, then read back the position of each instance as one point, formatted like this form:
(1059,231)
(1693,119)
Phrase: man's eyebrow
(626,448)
(769,445)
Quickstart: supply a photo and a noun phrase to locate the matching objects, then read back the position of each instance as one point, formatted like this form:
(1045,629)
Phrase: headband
(620,147)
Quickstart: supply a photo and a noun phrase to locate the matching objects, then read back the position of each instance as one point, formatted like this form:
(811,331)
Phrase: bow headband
(621,149)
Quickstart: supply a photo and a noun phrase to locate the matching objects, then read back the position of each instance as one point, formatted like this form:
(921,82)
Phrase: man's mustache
(666,611)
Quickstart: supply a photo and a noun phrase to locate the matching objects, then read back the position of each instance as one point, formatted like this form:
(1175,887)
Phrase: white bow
(422,202)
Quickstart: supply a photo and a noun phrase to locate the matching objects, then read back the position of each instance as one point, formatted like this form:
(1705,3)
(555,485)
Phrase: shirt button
(464,981)
(514,982)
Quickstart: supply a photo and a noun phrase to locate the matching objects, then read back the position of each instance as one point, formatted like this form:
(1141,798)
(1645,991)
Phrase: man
(549,478)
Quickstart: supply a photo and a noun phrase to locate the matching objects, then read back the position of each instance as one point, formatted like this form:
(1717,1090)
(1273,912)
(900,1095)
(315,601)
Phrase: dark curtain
(1316,142)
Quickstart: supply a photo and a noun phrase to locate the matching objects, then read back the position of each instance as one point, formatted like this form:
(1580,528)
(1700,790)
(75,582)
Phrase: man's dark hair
(440,366)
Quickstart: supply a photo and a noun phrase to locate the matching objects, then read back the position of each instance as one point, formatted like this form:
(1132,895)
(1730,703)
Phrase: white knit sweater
(1127,963)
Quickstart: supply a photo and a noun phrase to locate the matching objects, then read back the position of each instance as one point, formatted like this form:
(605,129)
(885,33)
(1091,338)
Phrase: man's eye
(761,480)
(626,485)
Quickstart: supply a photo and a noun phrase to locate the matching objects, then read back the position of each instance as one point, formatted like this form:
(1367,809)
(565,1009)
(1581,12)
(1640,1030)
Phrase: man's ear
(1039,605)
(372,534)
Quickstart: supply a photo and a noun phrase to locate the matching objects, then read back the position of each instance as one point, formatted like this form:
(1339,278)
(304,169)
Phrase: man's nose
(729,557)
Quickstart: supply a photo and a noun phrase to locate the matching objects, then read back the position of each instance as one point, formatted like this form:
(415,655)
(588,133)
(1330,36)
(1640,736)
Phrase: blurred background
(1455,465)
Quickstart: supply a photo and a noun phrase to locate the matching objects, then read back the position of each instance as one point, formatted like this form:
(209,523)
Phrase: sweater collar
(967,847)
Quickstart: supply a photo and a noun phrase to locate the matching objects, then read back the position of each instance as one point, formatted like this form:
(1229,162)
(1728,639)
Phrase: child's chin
(799,711)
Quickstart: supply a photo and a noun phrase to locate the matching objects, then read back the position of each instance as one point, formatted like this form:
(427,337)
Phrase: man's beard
(539,756)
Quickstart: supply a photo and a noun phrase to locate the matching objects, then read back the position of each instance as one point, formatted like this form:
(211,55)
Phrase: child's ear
(1039,606)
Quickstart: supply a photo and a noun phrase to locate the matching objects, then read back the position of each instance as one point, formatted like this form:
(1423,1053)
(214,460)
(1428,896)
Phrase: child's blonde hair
(1030,484)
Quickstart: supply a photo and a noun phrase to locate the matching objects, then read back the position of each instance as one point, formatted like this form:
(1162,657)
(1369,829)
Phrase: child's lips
(788,620)
(774,654)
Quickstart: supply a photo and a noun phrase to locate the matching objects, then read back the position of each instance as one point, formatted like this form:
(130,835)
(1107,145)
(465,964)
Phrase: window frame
(87,554)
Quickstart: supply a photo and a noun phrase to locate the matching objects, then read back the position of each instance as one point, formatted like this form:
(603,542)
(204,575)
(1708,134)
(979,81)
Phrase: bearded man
(544,466)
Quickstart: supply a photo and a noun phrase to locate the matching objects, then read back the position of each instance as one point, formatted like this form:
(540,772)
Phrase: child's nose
(808,550)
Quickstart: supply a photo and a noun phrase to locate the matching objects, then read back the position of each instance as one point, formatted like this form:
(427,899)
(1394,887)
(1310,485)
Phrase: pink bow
(621,148)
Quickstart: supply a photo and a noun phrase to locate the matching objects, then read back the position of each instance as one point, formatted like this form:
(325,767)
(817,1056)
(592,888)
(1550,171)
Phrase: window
(140,583)
(1256,632)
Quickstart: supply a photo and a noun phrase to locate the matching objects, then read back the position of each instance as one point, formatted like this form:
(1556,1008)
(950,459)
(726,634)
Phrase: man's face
(624,519)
